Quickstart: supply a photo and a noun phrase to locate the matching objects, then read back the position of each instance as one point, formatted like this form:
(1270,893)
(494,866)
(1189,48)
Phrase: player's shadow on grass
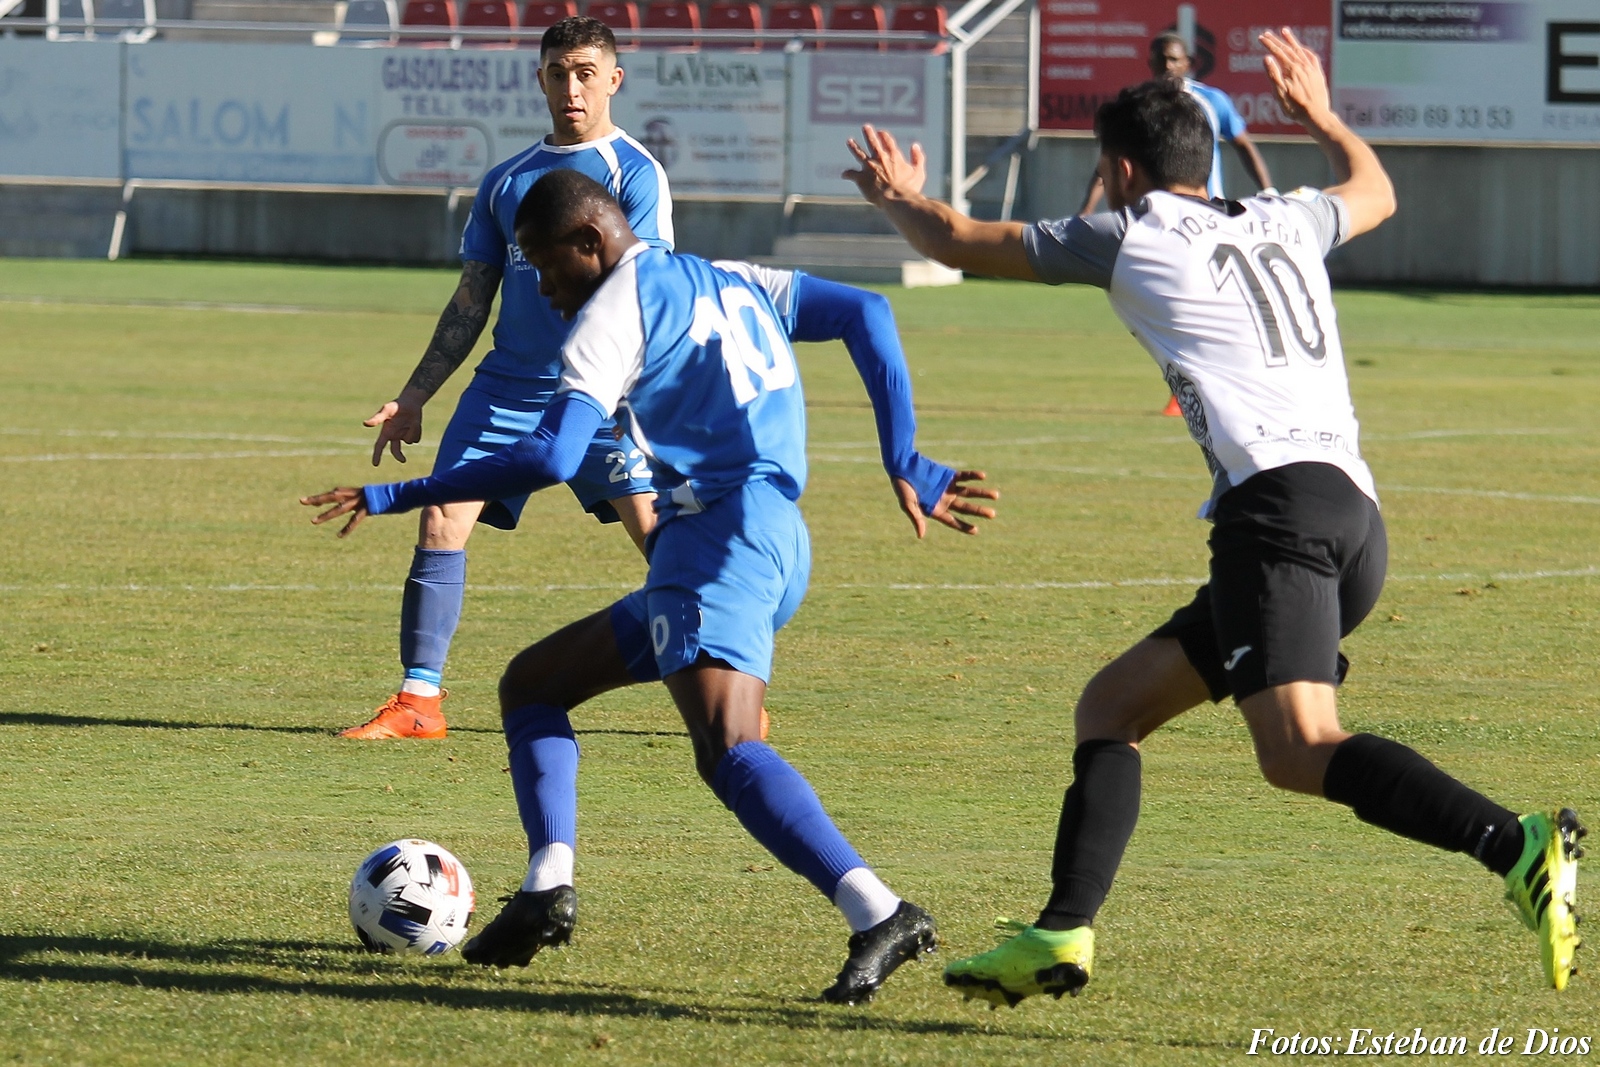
(44,718)
(339,972)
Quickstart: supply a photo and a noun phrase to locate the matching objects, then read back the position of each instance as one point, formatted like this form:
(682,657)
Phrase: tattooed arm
(400,420)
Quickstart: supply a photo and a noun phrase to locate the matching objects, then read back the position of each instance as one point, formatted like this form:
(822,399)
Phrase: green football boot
(1543,888)
(1032,961)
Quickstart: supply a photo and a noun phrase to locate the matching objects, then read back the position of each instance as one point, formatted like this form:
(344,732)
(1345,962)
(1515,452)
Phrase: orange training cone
(1172,408)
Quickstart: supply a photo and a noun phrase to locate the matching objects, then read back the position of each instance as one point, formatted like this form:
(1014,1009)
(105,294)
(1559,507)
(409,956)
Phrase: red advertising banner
(1090,49)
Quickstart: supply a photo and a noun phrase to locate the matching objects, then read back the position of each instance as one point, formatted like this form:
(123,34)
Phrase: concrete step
(871,259)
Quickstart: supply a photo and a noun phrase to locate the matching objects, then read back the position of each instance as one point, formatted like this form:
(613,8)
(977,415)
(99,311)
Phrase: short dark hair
(578,31)
(1161,40)
(1158,125)
(558,203)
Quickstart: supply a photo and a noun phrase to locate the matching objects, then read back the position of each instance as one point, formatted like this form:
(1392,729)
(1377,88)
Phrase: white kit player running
(1233,302)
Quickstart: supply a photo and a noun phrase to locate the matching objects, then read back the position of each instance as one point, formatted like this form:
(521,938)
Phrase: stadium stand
(795,18)
(418,13)
(858,17)
(368,22)
(540,15)
(489,14)
(674,15)
(69,11)
(133,20)
(919,18)
(621,15)
(734,16)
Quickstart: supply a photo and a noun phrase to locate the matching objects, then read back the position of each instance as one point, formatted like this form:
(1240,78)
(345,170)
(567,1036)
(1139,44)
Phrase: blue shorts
(722,581)
(492,415)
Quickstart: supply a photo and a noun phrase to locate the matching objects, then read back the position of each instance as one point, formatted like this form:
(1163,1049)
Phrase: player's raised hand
(1296,74)
(345,500)
(955,500)
(885,171)
(399,421)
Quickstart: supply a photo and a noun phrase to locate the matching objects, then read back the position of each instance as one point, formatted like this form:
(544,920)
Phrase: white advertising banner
(1469,73)
(714,119)
(60,109)
(250,113)
(833,93)
(723,122)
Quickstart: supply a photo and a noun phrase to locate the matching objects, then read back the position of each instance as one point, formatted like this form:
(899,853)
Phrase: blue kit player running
(516,380)
(696,358)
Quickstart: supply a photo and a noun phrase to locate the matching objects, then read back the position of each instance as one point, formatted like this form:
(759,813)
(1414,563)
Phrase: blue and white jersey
(699,360)
(528,333)
(1226,125)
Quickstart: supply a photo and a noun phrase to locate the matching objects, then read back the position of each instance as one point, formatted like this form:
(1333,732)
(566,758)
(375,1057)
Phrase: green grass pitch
(178,827)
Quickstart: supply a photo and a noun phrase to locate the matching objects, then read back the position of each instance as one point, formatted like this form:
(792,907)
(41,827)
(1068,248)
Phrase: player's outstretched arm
(893,183)
(864,321)
(548,456)
(400,420)
(1362,183)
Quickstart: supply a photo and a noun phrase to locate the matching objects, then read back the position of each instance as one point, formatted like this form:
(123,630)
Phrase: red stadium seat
(920,18)
(867,17)
(622,16)
(542,14)
(674,15)
(441,13)
(489,13)
(795,18)
(733,16)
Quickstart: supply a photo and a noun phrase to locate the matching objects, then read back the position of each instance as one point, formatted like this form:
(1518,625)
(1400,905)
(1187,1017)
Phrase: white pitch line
(1592,571)
(1494,494)
(184,305)
(73,457)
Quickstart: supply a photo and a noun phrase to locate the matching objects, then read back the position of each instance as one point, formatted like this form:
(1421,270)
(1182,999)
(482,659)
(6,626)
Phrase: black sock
(1097,818)
(1389,785)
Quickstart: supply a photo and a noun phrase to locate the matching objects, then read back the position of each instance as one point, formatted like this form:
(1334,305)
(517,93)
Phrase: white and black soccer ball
(411,897)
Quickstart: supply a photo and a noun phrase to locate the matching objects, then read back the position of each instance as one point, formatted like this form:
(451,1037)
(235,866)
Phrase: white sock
(550,866)
(419,687)
(864,899)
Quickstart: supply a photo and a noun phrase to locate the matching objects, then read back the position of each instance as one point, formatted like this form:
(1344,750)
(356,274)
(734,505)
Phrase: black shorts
(1298,555)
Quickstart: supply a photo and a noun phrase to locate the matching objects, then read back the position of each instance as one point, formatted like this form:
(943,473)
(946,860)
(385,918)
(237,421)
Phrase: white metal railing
(971,23)
(371,33)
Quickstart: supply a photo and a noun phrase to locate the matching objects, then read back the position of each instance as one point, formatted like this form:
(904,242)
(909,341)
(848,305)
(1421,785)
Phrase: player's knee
(526,682)
(443,531)
(1286,766)
(708,752)
(1103,709)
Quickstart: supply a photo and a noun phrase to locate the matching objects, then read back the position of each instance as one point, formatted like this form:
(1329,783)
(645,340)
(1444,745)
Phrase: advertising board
(1469,73)
(715,120)
(833,93)
(60,109)
(1091,49)
(249,113)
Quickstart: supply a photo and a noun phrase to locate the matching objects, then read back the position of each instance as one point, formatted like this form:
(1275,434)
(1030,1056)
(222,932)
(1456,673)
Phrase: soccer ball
(411,897)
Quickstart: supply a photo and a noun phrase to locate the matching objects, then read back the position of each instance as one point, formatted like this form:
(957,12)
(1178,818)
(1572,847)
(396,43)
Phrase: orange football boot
(403,715)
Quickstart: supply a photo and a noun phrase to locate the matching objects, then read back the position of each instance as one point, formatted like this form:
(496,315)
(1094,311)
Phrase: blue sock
(780,809)
(544,775)
(430,611)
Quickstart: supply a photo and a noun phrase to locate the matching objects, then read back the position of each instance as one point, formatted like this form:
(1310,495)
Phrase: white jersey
(1232,300)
